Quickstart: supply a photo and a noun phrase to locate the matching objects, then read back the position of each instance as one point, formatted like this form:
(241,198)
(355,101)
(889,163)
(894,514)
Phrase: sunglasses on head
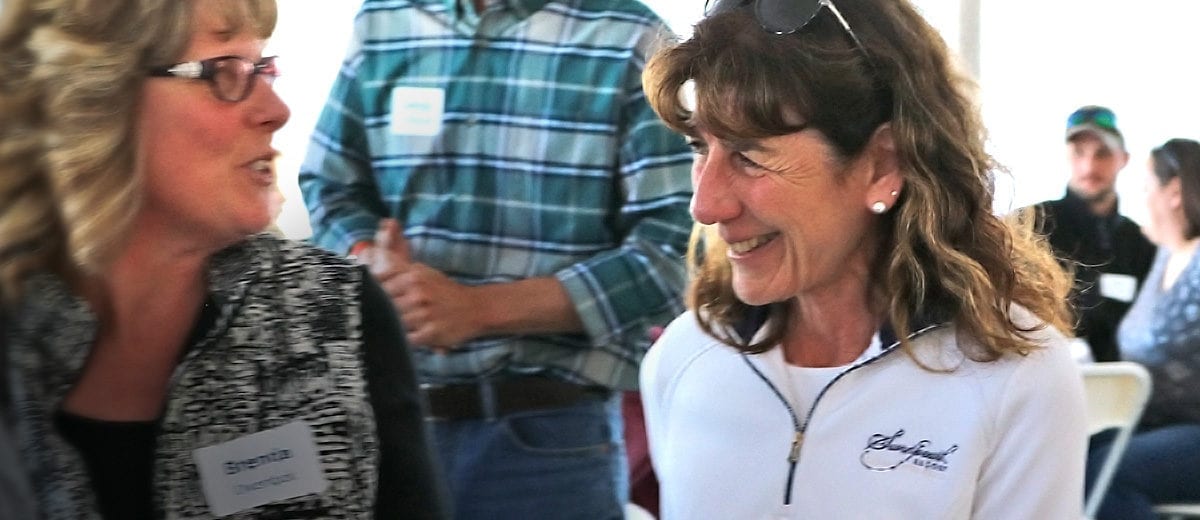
(783,17)
(1099,116)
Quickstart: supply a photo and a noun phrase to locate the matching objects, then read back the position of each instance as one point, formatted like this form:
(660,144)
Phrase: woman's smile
(743,247)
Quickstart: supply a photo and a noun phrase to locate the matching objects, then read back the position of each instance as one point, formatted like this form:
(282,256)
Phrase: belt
(507,396)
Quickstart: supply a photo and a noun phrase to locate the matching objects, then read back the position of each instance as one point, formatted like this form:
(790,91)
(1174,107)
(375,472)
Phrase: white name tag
(260,468)
(417,110)
(1121,287)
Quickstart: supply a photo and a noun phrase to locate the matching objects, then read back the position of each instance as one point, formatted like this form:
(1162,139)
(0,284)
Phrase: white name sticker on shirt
(260,468)
(417,110)
(1121,287)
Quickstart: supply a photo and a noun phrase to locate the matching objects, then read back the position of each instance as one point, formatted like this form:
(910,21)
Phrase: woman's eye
(698,147)
(744,161)
(749,166)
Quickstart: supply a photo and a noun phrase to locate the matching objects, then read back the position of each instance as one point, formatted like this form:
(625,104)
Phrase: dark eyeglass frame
(244,73)
(1099,116)
(783,17)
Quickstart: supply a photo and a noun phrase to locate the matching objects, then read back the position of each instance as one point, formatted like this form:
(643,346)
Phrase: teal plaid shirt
(513,143)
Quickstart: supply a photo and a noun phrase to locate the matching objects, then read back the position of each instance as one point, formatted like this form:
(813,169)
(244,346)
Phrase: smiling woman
(859,318)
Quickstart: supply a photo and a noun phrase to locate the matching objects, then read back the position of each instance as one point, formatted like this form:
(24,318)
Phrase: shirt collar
(521,9)
(1076,204)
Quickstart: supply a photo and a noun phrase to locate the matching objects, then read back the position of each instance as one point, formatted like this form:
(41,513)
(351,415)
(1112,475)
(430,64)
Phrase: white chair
(1116,394)
(636,512)
(1178,511)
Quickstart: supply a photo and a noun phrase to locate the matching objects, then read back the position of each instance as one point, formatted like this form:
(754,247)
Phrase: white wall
(1042,60)
(1038,62)
(310,39)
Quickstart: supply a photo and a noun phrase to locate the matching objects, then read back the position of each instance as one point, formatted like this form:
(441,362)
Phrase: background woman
(169,361)
(866,338)
(1161,463)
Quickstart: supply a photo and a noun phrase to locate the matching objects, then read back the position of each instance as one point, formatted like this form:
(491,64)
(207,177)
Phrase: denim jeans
(1160,466)
(565,463)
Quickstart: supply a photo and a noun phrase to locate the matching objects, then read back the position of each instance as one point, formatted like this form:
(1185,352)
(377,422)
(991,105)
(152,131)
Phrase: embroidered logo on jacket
(887,452)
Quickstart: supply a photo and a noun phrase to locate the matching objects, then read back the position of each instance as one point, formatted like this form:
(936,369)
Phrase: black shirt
(1093,244)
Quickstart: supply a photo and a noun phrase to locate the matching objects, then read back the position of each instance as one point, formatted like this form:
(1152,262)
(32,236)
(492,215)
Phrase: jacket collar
(756,317)
(232,270)
(922,320)
(67,324)
(1075,205)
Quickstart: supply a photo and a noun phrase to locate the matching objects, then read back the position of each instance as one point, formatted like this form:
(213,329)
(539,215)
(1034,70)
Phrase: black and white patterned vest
(285,346)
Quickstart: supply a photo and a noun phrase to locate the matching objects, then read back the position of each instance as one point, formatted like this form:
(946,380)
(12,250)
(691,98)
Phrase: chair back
(636,512)
(1178,511)
(1116,393)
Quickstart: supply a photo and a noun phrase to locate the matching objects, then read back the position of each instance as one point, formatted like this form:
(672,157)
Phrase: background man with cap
(1109,252)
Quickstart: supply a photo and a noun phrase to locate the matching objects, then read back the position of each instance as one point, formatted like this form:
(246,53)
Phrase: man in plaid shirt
(496,165)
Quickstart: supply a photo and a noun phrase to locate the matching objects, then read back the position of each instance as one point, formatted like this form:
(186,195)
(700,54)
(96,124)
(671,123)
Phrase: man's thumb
(390,238)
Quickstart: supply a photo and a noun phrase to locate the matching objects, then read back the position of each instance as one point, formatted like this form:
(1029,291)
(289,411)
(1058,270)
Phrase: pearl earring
(878,207)
(894,193)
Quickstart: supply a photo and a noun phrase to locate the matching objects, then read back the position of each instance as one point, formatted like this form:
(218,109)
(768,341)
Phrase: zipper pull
(796,442)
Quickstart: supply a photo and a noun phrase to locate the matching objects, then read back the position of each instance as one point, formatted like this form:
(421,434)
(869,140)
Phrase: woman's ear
(886,181)
(1173,190)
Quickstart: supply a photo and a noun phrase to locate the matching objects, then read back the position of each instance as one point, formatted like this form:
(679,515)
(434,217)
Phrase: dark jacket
(16,498)
(1092,245)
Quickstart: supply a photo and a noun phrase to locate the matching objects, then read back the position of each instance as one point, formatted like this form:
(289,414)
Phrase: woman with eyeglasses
(1161,462)
(169,361)
(865,339)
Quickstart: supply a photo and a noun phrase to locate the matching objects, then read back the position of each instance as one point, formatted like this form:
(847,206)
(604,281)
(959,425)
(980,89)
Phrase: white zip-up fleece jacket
(885,439)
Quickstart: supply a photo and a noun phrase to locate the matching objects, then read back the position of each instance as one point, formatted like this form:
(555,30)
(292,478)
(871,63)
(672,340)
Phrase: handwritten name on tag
(260,468)
(417,110)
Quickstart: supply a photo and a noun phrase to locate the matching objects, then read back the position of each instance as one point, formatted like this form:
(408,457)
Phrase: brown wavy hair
(71,75)
(948,255)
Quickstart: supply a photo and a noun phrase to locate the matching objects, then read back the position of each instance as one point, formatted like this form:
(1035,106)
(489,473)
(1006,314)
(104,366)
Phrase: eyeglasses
(230,77)
(784,17)
(1099,116)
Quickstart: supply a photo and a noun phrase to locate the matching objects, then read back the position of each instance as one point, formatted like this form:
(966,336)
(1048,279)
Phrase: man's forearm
(530,306)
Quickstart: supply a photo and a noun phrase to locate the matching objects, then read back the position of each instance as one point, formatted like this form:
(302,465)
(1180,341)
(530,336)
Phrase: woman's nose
(269,111)
(713,199)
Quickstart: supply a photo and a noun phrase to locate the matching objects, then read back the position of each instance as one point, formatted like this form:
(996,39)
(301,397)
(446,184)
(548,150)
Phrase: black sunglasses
(230,77)
(783,17)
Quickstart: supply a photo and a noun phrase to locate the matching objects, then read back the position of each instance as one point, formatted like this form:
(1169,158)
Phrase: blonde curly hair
(71,74)
(948,255)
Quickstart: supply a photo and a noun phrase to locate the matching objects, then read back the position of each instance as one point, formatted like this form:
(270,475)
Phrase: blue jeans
(565,463)
(1160,466)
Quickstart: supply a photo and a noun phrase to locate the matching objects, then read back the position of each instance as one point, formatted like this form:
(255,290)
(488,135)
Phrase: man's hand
(437,312)
(388,253)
